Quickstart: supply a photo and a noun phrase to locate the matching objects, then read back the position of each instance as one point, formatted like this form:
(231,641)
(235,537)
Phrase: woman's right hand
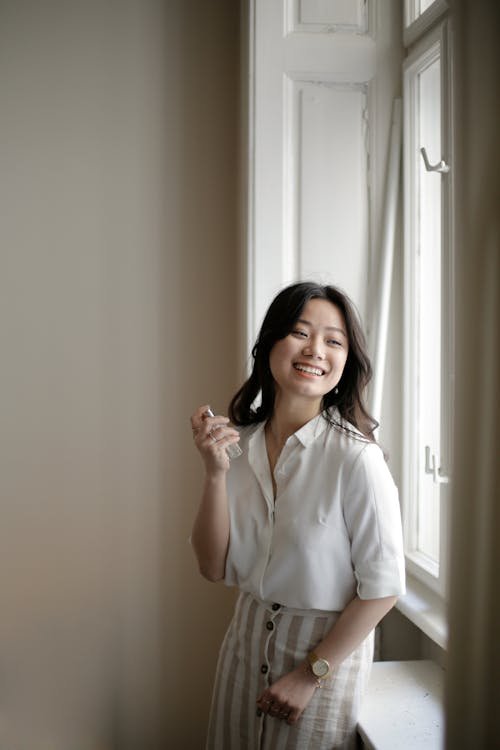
(211,436)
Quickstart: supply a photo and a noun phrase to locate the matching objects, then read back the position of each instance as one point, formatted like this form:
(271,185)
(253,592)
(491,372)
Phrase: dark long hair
(279,321)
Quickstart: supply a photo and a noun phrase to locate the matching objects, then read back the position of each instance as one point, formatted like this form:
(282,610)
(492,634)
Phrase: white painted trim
(425,609)
(414,30)
(448,278)
(291,228)
(294,26)
(421,55)
(386,261)
(249,250)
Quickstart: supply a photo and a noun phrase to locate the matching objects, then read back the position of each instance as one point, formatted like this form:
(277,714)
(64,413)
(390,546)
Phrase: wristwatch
(319,667)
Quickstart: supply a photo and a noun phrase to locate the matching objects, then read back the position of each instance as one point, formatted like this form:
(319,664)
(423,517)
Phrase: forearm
(290,694)
(210,535)
(355,623)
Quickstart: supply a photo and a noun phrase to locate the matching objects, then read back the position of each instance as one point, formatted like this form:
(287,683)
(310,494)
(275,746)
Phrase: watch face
(320,668)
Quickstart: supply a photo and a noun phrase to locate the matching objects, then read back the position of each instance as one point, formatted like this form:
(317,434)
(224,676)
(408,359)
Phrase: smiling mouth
(309,370)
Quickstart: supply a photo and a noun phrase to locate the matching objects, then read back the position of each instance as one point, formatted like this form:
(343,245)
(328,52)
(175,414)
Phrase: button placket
(270,626)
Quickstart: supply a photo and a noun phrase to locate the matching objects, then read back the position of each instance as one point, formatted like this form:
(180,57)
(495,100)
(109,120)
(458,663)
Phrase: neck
(290,416)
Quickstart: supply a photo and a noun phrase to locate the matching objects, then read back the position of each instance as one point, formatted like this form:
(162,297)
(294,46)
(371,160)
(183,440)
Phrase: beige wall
(118,315)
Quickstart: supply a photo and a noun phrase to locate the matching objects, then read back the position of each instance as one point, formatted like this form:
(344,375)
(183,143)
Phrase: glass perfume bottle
(233,450)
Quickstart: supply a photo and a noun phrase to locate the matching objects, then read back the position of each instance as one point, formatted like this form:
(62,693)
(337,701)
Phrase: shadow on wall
(202,309)
(118,300)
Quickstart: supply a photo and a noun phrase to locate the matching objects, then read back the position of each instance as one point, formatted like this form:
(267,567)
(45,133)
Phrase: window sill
(403,707)
(425,609)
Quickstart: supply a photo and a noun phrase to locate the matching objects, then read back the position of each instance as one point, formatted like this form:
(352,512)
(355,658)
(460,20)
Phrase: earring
(336,390)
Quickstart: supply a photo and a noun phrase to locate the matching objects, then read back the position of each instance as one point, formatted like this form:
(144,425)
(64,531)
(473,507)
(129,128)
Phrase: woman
(306,523)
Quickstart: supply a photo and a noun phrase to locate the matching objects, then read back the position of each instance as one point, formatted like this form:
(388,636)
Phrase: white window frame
(425,603)
(416,23)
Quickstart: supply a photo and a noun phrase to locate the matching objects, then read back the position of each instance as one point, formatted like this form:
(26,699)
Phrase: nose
(314,348)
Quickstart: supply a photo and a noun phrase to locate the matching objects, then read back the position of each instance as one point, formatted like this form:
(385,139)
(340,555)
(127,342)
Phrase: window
(318,110)
(428,285)
(415,9)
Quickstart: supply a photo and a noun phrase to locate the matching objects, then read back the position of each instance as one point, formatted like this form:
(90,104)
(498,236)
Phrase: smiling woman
(309,361)
(306,523)
(286,316)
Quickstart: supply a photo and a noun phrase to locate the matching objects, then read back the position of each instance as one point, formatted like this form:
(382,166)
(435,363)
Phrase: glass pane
(429,311)
(424,4)
(415,8)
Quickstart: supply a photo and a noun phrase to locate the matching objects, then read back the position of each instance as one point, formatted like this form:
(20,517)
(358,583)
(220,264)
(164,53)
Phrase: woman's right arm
(210,534)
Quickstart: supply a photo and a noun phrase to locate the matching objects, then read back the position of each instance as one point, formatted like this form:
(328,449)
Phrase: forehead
(322,313)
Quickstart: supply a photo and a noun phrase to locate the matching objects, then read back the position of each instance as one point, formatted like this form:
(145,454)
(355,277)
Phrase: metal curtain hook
(441,166)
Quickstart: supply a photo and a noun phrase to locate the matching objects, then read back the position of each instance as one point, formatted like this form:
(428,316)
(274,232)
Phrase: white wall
(118,278)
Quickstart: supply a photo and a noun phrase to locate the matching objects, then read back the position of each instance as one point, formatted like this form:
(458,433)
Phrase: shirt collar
(306,434)
(311,430)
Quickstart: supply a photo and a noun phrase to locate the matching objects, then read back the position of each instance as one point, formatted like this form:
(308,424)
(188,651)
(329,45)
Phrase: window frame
(427,593)
(417,24)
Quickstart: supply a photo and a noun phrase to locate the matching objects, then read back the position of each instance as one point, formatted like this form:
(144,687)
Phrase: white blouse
(334,529)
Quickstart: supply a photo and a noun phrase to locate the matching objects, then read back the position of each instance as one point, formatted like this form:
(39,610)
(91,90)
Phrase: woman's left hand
(288,697)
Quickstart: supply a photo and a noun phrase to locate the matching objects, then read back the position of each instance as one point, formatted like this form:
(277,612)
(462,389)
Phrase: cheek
(281,352)
(272,368)
(275,359)
(342,363)
(339,365)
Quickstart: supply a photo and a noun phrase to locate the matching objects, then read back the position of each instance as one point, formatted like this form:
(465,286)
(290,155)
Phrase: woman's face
(310,360)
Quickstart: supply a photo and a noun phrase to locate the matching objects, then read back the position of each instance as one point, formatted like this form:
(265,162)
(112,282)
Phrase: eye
(298,332)
(334,342)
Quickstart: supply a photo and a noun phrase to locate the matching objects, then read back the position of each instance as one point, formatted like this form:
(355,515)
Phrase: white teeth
(310,370)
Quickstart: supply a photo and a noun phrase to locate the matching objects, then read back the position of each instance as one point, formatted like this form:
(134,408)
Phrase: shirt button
(276,606)
(270,625)
(264,669)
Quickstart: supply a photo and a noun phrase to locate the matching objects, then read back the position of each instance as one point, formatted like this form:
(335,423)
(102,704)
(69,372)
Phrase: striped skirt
(263,642)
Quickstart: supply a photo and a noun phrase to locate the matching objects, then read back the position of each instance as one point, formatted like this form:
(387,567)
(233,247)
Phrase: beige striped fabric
(263,642)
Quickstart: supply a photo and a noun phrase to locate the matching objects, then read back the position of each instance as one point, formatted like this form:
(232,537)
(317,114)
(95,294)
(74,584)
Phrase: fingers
(203,425)
(215,431)
(201,419)
(277,709)
(198,419)
(211,433)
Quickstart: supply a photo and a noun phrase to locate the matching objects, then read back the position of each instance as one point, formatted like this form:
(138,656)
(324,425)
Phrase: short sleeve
(373,519)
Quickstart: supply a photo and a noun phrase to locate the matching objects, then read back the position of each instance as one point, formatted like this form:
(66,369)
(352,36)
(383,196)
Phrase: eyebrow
(327,328)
